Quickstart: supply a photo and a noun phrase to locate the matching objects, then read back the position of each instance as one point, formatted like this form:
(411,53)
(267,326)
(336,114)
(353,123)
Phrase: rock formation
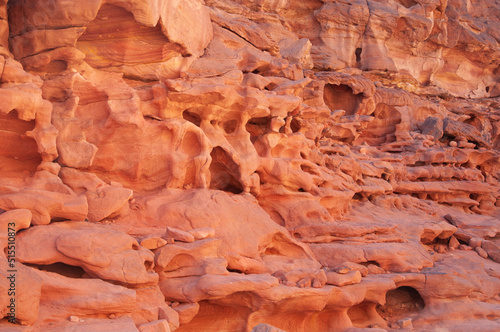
(318,165)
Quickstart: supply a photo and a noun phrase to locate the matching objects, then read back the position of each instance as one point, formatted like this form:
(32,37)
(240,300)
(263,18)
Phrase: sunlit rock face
(250,166)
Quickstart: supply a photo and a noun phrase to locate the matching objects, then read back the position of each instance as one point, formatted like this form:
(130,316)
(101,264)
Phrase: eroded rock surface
(250,166)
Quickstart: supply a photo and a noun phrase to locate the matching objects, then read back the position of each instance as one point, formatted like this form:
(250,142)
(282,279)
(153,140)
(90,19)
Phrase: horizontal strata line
(43,51)
(45,29)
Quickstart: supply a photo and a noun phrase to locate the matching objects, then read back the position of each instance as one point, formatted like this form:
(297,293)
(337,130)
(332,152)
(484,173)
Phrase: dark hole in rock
(258,127)
(341,97)
(357,197)
(408,3)
(19,152)
(230,126)
(66,270)
(148,265)
(369,263)
(271,251)
(365,315)
(223,170)
(191,117)
(308,169)
(295,125)
(358,54)
(400,303)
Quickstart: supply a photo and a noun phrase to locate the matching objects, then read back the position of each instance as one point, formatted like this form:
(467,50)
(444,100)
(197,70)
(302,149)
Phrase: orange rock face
(249,166)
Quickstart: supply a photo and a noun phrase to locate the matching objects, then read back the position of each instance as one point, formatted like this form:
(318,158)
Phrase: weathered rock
(492,249)
(186,312)
(101,252)
(155,326)
(123,323)
(79,297)
(172,316)
(481,252)
(433,126)
(453,243)
(460,129)
(337,279)
(153,242)
(202,233)
(266,328)
(178,235)
(475,242)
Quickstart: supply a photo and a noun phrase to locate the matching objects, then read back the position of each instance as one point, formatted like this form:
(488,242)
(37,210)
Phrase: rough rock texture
(250,165)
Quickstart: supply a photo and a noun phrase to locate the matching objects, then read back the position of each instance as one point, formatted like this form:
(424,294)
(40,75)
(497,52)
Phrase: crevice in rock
(66,270)
(365,315)
(258,127)
(381,130)
(341,97)
(358,55)
(223,170)
(367,263)
(19,152)
(407,3)
(191,117)
(401,302)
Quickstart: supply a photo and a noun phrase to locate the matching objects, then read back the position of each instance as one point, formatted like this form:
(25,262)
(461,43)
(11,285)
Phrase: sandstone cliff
(222,165)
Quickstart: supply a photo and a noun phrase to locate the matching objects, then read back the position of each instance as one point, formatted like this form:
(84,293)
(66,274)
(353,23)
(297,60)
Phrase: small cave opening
(230,126)
(295,125)
(358,55)
(341,97)
(66,270)
(272,251)
(408,3)
(19,152)
(365,315)
(191,117)
(223,170)
(358,197)
(308,169)
(368,263)
(258,127)
(382,128)
(401,302)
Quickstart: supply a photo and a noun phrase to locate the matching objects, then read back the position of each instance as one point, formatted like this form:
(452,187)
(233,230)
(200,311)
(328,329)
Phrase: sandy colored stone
(492,249)
(155,326)
(123,323)
(338,279)
(178,235)
(481,252)
(153,242)
(171,315)
(453,243)
(266,328)
(475,242)
(202,233)
(186,312)
(99,251)
(75,297)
